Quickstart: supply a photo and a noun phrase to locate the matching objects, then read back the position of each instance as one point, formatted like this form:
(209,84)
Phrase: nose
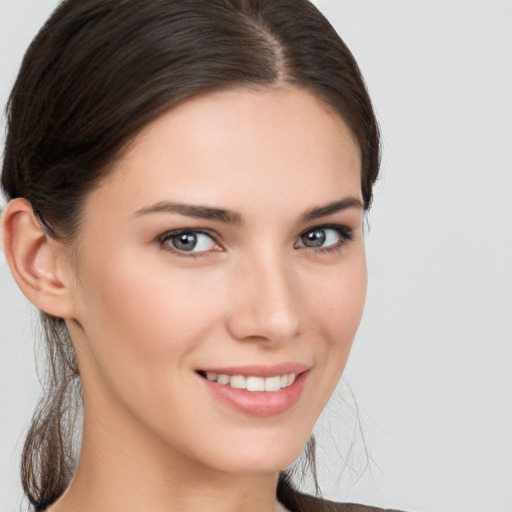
(264,304)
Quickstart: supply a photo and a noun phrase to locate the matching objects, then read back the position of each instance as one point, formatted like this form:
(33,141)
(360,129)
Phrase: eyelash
(345,234)
(177,232)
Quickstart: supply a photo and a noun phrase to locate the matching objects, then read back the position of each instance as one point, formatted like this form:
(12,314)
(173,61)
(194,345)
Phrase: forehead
(240,146)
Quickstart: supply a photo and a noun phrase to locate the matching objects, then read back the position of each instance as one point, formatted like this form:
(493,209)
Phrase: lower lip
(259,403)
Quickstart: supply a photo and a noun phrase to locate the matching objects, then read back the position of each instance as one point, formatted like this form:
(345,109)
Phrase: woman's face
(226,245)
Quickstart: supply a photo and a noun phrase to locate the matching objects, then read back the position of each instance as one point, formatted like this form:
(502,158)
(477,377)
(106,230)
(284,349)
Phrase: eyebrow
(190,210)
(329,209)
(231,217)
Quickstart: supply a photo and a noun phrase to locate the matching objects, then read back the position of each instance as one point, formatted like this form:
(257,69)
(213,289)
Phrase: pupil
(314,238)
(185,241)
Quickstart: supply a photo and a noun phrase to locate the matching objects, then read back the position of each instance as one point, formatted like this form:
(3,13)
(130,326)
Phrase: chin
(259,457)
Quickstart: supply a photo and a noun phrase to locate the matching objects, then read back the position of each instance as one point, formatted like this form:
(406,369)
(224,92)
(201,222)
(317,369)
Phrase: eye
(188,241)
(325,238)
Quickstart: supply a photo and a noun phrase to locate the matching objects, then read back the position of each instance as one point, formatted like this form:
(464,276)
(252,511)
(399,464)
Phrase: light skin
(278,276)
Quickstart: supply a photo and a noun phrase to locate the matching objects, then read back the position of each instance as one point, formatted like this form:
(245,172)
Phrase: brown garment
(295,501)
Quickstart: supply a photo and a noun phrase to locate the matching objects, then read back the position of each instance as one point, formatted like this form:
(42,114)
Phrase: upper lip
(257,370)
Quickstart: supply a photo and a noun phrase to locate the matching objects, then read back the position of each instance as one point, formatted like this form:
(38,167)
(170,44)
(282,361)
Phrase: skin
(143,318)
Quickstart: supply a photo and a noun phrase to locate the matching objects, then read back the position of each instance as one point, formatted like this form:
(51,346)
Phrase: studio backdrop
(422,420)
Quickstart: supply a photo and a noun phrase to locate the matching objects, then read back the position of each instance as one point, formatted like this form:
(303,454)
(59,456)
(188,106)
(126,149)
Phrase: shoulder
(295,501)
(312,504)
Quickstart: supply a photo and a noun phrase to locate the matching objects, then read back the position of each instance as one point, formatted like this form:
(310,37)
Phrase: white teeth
(273,383)
(223,379)
(237,381)
(253,383)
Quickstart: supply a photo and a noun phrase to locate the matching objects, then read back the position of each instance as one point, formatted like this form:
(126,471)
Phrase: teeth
(237,381)
(253,383)
(223,379)
(273,384)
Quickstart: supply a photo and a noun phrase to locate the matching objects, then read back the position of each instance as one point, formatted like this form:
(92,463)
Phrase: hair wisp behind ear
(33,257)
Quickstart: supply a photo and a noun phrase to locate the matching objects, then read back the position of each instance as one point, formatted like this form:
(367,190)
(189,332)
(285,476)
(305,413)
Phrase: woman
(187,182)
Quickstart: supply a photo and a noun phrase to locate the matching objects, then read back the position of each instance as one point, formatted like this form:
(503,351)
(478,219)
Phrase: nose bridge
(266,302)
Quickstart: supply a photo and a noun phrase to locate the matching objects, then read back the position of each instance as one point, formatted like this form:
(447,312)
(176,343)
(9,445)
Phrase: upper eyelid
(175,232)
(336,227)
(216,236)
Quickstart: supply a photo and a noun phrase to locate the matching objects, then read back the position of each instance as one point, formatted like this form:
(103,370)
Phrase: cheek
(335,313)
(141,316)
(339,301)
(144,326)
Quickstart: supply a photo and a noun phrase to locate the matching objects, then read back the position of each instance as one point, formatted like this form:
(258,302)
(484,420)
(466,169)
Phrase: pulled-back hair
(94,76)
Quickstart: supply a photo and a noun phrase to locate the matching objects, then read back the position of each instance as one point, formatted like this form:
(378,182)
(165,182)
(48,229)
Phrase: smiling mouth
(257,390)
(250,382)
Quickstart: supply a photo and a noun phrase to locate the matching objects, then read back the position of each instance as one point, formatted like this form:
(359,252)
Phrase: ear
(36,260)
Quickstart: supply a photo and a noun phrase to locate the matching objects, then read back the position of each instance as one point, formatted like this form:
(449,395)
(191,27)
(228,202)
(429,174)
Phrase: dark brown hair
(94,76)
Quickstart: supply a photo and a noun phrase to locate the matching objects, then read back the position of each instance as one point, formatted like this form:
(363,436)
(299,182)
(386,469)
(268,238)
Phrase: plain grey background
(431,367)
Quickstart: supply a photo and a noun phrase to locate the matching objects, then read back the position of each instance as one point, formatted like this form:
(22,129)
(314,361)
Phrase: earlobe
(33,257)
